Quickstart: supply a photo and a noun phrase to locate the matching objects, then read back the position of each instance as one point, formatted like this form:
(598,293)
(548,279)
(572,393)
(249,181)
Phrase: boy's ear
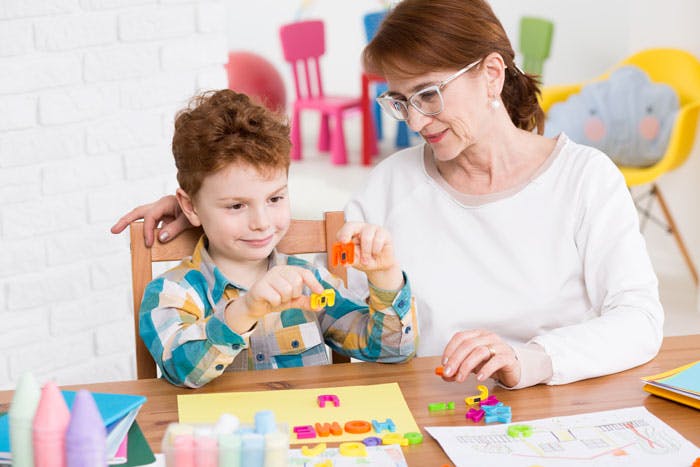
(187,207)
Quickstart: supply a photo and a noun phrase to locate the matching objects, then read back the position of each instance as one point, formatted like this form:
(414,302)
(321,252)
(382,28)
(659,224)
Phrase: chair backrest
(372,22)
(303,236)
(303,43)
(677,68)
(535,43)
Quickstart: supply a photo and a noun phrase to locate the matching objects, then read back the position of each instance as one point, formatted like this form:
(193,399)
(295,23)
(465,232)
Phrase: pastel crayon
(252,450)
(86,436)
(227,424)
(276,449)
(49,428)
(21,417)
(183,451)
(206,451)
(265,422)
(229,450)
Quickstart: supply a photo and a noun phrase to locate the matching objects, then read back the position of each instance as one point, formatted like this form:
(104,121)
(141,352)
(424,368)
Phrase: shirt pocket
(291,346)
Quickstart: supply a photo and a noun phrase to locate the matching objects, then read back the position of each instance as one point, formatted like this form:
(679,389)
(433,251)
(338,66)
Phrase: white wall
(87,93)
(88,90)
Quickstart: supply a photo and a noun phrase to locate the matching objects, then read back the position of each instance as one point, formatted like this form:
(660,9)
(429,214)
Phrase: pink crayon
(183,449)
(50,424)
(86,437)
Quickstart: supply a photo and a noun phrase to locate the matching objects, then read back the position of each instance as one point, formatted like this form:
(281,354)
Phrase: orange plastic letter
(357,427)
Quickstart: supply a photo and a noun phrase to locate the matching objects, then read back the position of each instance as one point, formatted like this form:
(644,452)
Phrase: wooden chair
(304,236)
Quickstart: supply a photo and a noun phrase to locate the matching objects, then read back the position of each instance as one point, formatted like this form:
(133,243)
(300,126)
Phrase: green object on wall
(535,43)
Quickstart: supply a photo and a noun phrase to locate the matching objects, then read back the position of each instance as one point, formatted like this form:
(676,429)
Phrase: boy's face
(244,213)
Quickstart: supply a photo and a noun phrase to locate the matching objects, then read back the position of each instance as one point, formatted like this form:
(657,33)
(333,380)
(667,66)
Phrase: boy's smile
(244,213)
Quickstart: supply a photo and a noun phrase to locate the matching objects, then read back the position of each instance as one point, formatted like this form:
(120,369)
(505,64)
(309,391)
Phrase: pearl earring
(495,103)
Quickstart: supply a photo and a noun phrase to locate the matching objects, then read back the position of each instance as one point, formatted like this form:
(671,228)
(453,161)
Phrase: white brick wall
(88,91)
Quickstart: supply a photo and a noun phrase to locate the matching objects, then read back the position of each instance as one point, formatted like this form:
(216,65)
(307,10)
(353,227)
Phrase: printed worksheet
(624,437)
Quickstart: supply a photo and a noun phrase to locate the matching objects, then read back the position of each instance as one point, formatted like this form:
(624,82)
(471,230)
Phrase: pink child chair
(303,43)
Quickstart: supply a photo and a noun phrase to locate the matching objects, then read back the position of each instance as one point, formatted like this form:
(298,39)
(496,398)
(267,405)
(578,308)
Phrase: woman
(525,253)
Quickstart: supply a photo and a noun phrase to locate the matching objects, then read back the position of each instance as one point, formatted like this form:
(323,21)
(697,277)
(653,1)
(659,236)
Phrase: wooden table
(420,386)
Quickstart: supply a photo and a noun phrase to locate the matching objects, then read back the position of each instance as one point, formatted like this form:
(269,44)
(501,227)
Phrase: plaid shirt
(183,325)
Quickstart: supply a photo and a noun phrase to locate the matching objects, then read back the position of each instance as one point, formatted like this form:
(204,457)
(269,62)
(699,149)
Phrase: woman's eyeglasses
(427,101)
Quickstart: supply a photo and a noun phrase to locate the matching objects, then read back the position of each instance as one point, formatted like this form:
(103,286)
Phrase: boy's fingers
(304,303)
(310,280)
(366,240)
(380,239)
(348,231)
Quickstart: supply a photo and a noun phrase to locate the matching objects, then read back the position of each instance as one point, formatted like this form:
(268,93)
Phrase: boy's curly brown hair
(218,128)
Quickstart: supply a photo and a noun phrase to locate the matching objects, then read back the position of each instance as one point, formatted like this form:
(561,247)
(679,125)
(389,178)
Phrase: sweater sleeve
(627,318)
(382,329)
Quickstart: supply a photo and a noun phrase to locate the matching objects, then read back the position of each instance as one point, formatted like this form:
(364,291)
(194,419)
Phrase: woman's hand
(483,353)
(166,211)
(374,253)
(279,289)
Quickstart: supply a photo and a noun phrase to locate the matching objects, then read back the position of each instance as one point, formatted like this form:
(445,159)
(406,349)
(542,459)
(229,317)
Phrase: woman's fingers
(482,353)
(173,228)
(451,361)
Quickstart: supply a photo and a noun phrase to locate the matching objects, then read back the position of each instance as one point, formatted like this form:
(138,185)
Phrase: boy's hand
(373,247)
(374,253)
(279,289)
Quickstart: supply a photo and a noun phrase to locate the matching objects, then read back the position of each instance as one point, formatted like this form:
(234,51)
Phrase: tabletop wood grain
(420,387)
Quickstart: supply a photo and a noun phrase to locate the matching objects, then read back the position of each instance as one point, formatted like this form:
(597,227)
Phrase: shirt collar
(216,280)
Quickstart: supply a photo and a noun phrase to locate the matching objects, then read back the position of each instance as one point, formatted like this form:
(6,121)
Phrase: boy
(237,304)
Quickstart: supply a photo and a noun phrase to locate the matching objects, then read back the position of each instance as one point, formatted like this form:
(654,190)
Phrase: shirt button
(260,357)
(295,344)
(219,367)
(401,303)
(235,346)
(407,330)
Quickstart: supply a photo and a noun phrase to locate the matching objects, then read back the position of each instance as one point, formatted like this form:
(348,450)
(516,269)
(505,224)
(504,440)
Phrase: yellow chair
(681,71)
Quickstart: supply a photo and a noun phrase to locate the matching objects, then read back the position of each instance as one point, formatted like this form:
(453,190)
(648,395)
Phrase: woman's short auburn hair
(421,36)
(219,128)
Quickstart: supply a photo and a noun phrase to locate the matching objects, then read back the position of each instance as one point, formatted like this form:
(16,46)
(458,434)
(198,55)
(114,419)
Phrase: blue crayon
(252,450)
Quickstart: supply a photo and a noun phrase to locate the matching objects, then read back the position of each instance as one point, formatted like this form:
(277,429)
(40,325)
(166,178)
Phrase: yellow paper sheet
(297,407)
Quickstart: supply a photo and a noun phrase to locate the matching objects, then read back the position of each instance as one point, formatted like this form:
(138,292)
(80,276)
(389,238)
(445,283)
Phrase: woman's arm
(619,280)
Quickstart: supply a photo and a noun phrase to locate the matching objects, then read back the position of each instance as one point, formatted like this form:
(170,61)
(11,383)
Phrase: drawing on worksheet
(380,456)
(630,436)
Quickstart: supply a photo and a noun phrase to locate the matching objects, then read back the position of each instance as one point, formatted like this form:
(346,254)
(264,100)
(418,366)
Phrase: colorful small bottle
(253,450)
(49,428)
(206,451)
(229,450)
(21,416)
(183,451)
(86,437)
(276,449)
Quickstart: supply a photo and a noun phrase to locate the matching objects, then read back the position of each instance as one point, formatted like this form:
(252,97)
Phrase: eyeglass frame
(384,97)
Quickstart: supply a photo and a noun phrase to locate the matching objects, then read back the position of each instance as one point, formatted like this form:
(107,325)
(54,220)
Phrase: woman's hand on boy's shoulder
(166,211)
